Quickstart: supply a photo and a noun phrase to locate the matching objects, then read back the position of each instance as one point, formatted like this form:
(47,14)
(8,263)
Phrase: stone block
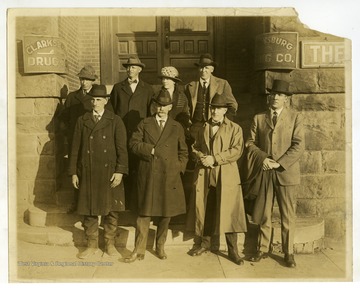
(24,107)
(309,186)
(319,139)
(318,80)
(335,227)
(34,125)
(43,191)
(45,106)
(26,144)
(45,85)
(331,186)
(306,207)
(318,102)
(311,162)
(334,161)
(323,120)
(27,167)
(331,206)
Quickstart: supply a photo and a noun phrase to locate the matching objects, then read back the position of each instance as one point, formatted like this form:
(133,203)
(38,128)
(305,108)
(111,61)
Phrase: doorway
(157,41)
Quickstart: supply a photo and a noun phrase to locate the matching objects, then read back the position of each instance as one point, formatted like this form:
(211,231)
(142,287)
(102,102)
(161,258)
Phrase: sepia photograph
(177,144)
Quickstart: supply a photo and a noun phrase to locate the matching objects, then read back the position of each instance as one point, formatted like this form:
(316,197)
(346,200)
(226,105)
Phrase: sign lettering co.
(44,54)
(322,54)
(276,50)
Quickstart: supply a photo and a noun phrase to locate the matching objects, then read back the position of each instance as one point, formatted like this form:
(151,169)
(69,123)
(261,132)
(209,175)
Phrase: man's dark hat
(219,101)
(134,61)
(88,72)
(163,98)
(98,91)
(280,86)
(206,60)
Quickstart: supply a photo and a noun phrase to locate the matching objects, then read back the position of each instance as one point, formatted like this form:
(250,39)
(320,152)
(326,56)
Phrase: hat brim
(214,64)
(287,93)
(100,96)
(134,64)
(87,77)
(220,105)
(172,78)
(163,103)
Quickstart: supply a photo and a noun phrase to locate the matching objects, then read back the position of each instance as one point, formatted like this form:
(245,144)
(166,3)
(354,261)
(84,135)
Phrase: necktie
(132,82)
(96,118)
(212,123)
(274,118)
(161,124)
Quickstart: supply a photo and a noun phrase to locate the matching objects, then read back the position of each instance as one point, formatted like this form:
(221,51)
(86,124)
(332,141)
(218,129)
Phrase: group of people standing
(136,142)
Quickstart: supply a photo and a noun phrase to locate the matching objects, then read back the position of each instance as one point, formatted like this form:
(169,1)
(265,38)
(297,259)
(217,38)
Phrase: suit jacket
(217,85)
(131,107)
(159,186)
(284,143)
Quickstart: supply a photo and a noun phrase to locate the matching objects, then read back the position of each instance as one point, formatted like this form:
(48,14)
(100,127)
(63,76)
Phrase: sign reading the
(322,54)
(276,50)
(44,54)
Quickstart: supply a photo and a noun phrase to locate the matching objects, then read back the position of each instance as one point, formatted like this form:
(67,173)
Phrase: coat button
(91,137)
(106,165)
(88,151)
(105,151)
(104,137)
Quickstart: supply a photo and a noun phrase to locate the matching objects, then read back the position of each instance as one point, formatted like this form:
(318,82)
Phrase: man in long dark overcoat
(131,99)
(98,161)
(159,142)
(216,205)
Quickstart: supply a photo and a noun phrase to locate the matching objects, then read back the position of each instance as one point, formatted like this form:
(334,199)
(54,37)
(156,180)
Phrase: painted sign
(44,54)
(276,51)
(322,54)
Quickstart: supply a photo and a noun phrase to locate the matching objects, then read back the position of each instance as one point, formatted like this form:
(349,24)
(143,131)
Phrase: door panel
(157,41)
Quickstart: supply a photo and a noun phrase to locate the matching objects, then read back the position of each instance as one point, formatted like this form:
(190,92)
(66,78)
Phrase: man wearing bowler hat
(98,161)
(159,142)
(201,92)
(77,103)
(131,100)
(216,205)
(275,145)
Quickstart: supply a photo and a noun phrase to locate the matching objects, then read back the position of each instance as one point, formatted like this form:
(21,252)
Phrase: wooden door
(157,41)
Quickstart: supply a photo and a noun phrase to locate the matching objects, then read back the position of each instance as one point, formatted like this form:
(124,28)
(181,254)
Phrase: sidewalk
(44,263)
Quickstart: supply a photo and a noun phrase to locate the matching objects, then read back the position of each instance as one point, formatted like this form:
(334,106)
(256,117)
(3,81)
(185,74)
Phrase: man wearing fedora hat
(201,92)
(216,205)
(276,139)
(77,103)
(131,100)
(98,161)
(159,142)
(171,82)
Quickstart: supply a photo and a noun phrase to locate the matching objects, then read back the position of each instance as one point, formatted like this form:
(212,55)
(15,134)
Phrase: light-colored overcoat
(159,186)
(228,146)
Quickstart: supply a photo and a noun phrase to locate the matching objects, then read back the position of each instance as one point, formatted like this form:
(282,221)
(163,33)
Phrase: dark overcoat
(131,107)
(228,145)
(159,186)
(98,151)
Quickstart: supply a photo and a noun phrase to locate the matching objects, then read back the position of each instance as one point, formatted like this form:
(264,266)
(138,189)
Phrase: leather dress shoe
(236,259)
(133,257)
(161,254)
(199,251)
(111,250)
(258,256)
(87,253)
(290,261)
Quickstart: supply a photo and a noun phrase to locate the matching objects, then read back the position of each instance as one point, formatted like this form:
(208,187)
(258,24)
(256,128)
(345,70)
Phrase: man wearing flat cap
(77,103)
(159,142)
(201,92)
(131,101)
(274,147)
(98,161)
(216,205)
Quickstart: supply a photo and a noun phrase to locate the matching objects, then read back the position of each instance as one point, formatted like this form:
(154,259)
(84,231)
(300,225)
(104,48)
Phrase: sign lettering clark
(44,54)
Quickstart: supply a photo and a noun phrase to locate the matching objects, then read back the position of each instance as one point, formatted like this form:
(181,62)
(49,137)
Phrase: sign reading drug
(44,54)
(276,51)
(322,54)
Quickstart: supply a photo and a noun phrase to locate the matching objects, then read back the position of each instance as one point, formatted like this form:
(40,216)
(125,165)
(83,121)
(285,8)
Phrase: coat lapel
(268,119)
(152,129)
(213,86)
(126,87)
(193,89)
